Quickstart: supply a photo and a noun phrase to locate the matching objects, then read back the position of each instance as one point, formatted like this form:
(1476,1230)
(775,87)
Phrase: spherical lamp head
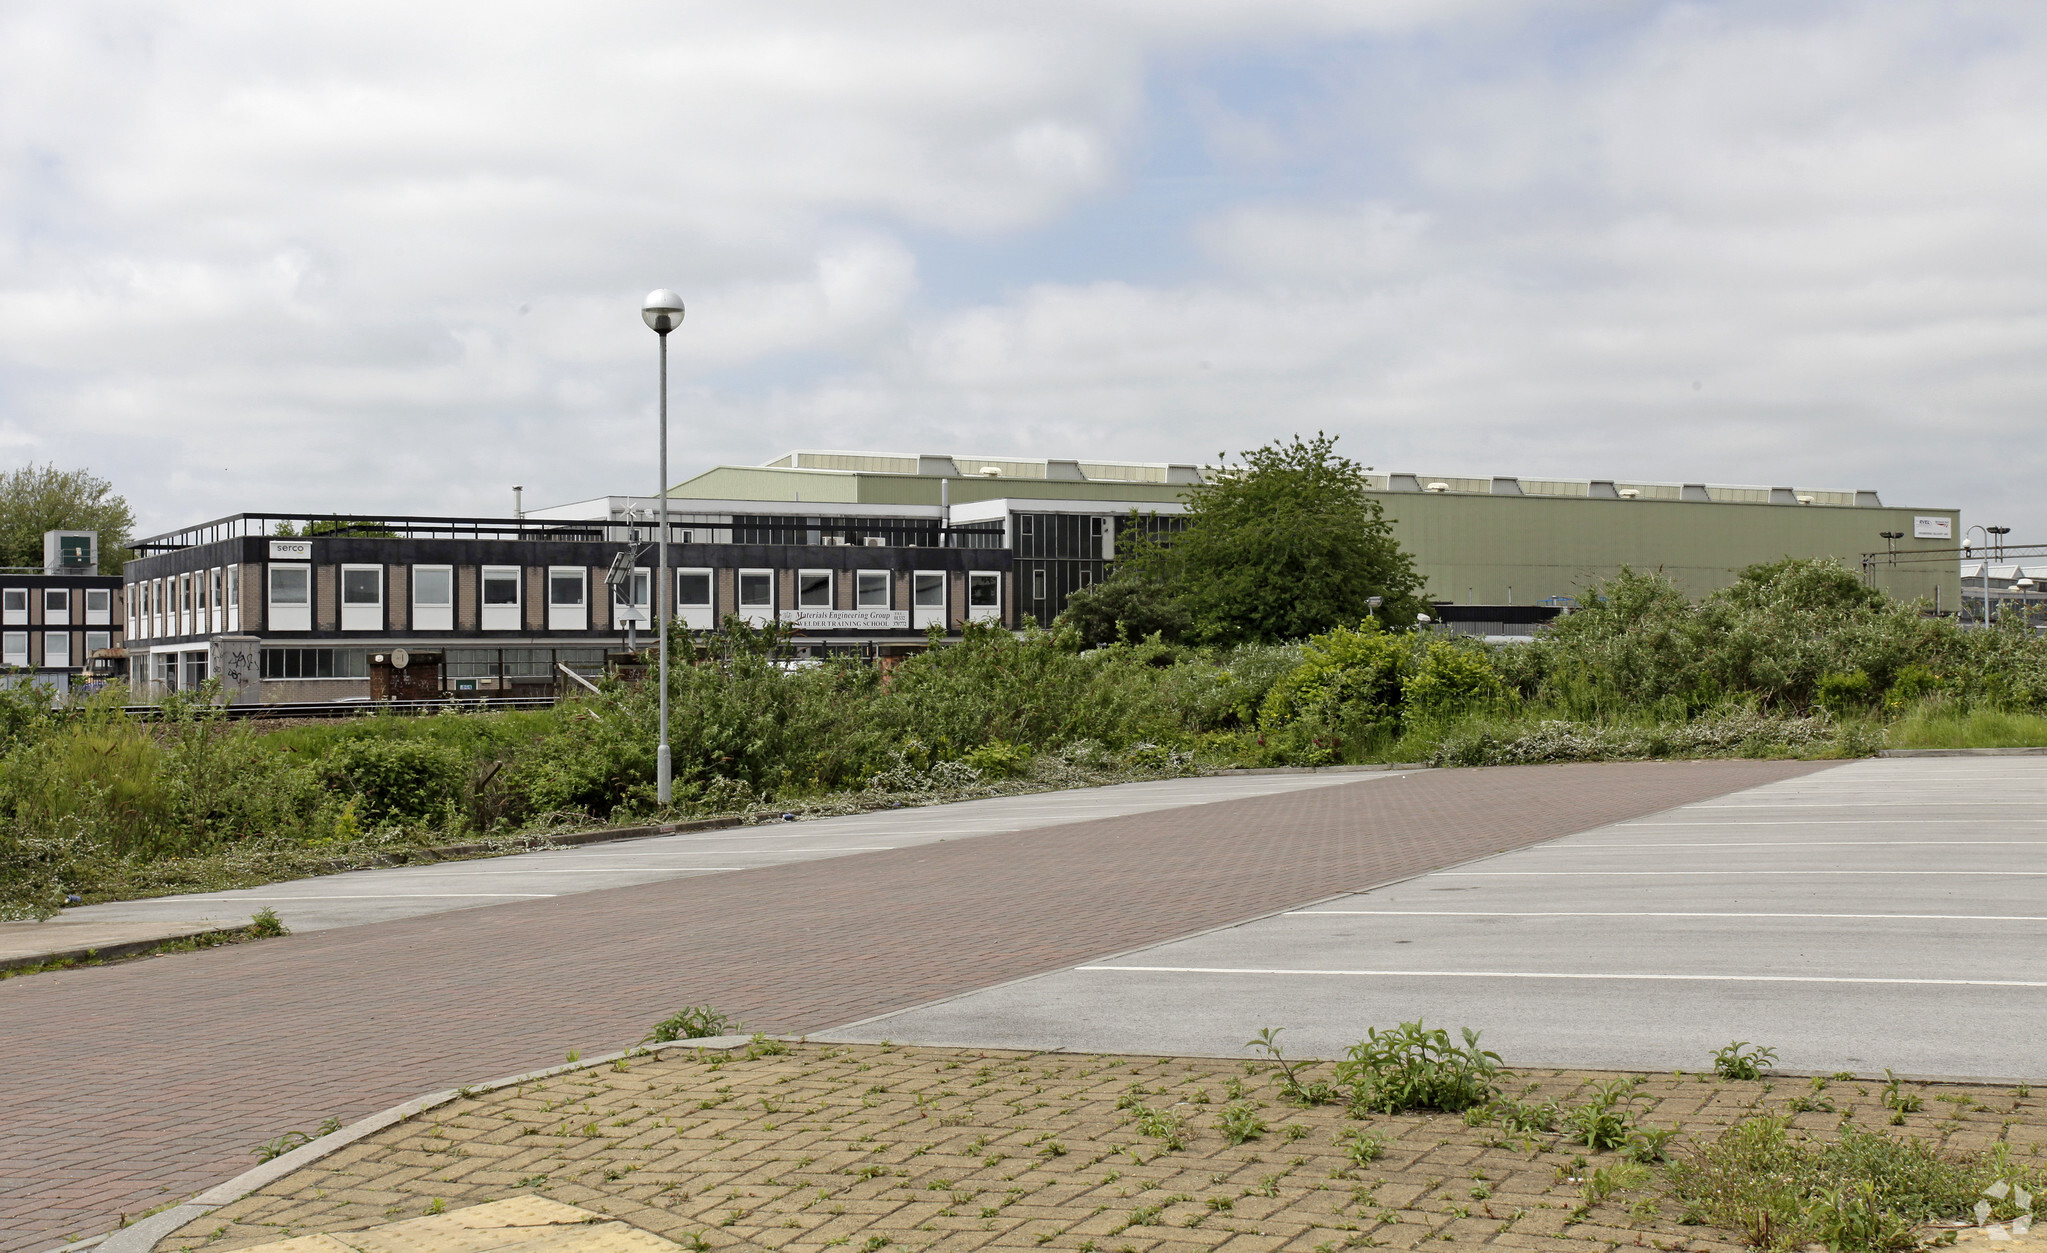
(662,309)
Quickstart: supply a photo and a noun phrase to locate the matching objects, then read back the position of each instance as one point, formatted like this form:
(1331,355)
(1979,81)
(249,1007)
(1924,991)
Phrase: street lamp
(1891,539)
(662,311)
(1987,542)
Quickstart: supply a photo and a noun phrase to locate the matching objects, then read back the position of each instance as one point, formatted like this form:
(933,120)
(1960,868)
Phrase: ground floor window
(57,649)
(316,663)
(14,647)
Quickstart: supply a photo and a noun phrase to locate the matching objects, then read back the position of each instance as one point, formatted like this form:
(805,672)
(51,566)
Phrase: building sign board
(1933,528)
(291,550)
(848,619)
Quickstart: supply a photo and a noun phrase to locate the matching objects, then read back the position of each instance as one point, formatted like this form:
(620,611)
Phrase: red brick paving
(126,1086)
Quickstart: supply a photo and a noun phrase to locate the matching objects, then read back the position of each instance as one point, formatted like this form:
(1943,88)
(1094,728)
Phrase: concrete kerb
(142,1236)
(126,948)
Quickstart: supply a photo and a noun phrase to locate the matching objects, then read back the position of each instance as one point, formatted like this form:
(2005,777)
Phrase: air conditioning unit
(876,541)
(834,541)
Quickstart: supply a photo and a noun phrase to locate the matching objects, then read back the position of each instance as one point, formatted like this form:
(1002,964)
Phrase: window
(193,668)
(927,599)
(813,589)
(362,598)
(1023,523)
(984,595)
(433,598)
(234,598)
(500,598)
(216,604)
(565,608)
(1038,584)
(693,600)
(1087,578)
(316,663)
(756,596)
(96,640)
(99,606)
(14,606)
(629,602)
(14,646)
(56,605)
(291,598)
(57,649)
(870,589)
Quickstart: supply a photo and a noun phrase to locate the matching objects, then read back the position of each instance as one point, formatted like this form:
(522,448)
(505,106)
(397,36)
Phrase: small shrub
(694,1023)
(266,924)
(398,780)
(1411,1067)
(1742,1060)
(1363,1147)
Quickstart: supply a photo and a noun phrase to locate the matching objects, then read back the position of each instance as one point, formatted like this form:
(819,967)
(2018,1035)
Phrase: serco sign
(291,550)
(847,619)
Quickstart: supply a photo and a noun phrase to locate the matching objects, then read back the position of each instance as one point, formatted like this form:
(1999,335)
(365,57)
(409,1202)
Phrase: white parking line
(1593,913)
(1527,974)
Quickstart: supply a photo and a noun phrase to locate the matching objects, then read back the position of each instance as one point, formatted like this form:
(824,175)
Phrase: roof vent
(1805,500)
(992,472)
(1439,487)
(1629,493)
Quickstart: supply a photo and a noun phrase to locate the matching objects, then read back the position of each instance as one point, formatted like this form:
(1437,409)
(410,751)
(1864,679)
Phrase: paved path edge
(142,1236)
(124,948)
(1962,752)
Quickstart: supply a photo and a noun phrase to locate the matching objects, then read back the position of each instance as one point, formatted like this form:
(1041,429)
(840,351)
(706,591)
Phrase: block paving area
(130,1085)
(926,1150)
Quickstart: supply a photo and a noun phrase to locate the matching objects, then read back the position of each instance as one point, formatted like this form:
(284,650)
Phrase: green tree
(1286,545)
(35,499)
(1128,608)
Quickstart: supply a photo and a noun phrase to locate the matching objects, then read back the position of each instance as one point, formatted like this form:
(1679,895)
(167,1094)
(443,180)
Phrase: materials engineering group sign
(847,619)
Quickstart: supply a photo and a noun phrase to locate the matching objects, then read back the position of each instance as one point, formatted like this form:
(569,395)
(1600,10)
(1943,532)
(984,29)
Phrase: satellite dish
(400,658)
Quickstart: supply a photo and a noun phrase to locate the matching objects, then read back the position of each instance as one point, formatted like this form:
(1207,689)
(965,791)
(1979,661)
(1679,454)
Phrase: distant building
(64,621)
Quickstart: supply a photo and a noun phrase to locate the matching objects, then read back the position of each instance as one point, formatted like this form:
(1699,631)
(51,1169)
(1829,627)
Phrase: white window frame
(50,661)
(234,598)
(924,615)
(156,607)
(631,603)
(501,617)
(288,616)
(432,615)
(984,613)
(1038,582)
(569,617)
(861,589)
(362,615)
(106,640)
(104,615)
(216,601)
(756,613)
(185,604)
(812,576)
(703,615)
(14,648)
(10,613)
(52,615)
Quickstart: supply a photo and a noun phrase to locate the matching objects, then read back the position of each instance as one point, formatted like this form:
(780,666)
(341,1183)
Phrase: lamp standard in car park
(662,311)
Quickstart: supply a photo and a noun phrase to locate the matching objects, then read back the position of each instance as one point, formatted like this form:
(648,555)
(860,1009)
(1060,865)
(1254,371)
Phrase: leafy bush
(1742,1060)
(695,1023)
(1410,1068)
(397,780)
(1452,679)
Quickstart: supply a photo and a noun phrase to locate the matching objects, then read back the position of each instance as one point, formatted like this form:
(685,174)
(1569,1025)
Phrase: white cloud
(388,257)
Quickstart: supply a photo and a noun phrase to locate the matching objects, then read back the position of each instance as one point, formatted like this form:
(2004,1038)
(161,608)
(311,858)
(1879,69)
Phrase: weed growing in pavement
(694,1023)
(759,1046)
(1603,1123)
(1161,1125)
(1742,1060)
(1239,1121)
(265,924)
(1864,1190)
(1525,1117)
(1291,1085)
(1364,1146)
(1812,1102)
(1411,1068)
(1901,1102)
(272,1149)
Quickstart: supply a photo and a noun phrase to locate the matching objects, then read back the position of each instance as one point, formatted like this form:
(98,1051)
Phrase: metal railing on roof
(771,529)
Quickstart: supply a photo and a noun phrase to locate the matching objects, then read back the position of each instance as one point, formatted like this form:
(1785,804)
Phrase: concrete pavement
(129,1085)
(1879,914)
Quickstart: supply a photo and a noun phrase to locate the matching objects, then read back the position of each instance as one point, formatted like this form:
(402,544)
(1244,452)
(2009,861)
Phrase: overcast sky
(389,257)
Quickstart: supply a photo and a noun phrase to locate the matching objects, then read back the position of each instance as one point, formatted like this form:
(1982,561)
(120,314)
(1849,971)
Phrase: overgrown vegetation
(1859,1190)
(1797,658)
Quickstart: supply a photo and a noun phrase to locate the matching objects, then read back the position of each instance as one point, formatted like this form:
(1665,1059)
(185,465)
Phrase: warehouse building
(1479,542)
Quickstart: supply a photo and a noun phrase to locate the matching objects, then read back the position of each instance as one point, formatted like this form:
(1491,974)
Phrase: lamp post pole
(662,311)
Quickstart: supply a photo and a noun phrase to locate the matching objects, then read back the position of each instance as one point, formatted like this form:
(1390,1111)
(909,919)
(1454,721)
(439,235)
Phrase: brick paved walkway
(128,1086)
